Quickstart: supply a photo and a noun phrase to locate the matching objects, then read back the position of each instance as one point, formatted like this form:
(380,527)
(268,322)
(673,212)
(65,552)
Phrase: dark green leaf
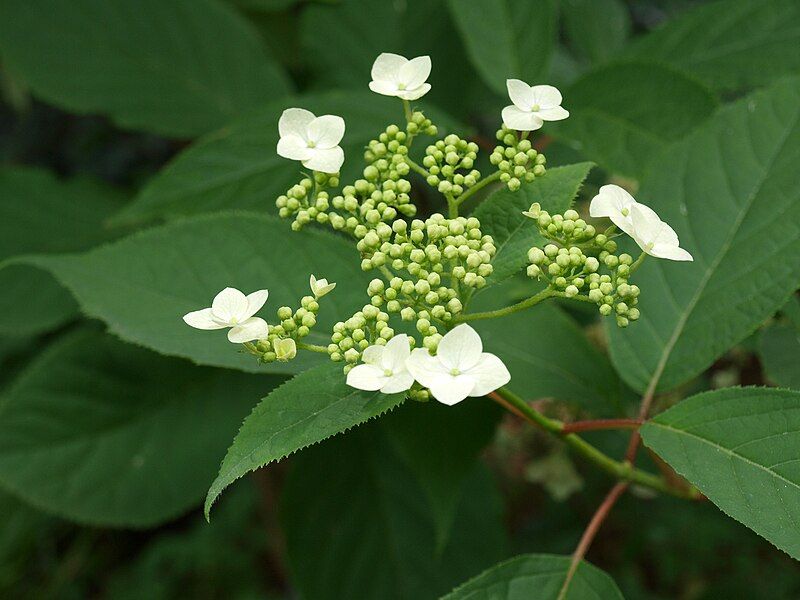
(740,447)
(596,29)
(238,166)
(729,44)
(40,214)
(549,356)
(514,233)
(539,576)
(141,286)
(105,433)
(440,445)
(779,350)
(506,39)
(357,524)
(730,191)
(177,68)
(622,115)
(308,409)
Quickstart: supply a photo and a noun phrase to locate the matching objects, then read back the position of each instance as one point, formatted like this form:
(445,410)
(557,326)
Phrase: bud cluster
(445,158)
(281,343)
(574,267)
(350,338)
(517,159)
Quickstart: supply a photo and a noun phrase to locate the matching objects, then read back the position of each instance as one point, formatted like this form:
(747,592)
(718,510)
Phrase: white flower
(231,308)
(460,367)
(532,105)
(384,368)
(285,349)
(654,236)
(395,75)
(320,287)
(639,221)
(615,203)
(312,140)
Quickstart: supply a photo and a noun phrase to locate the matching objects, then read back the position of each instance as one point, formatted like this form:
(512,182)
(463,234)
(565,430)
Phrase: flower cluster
(426,270)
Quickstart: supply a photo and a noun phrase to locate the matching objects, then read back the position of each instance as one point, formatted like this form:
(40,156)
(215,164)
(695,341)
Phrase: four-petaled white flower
(384,367)
(312,140)
(639,221)
(460,368)
(654,236)
(532,106)
(231,308)
(395,75)
(320,287)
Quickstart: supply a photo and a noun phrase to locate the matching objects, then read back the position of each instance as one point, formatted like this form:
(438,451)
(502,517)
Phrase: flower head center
(455,372)
(625,212)
(388,373)
(311,144)
(650,246)
(401,86)
(536,108)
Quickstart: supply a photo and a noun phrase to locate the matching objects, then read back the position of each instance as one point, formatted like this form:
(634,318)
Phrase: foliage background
(117,115)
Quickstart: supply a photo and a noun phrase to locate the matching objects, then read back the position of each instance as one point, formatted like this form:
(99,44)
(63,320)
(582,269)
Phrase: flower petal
(202,319)
(425,368)
(372,355)
(414,94)
(326,131)
(514,118)
(294,147)
(396,353)
(294,121)
(328,160)
(670,252)
(553,114)
(254,328)
(489,374)
(452,390)
(398,383)
(647,226)
(387,67)
(415,72)
(255,301)
(387,88)
(520,93)
(460,348)
(366,377)
(546,96)
(230,306)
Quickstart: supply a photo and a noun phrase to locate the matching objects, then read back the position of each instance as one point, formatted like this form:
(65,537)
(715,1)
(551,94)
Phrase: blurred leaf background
(120,115)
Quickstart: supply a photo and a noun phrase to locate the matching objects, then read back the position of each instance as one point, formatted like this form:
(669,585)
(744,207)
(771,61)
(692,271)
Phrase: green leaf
(357,524)
(40,214)
(539,576)
(440,445)
(311,407)
(514,233)
(730,192)
(238,167)
(596,29)
(730,44)
(142,286)
(506,39)
(740,447)
(622,115)
(177,68)
(779,350)
(549,356)
(109,434)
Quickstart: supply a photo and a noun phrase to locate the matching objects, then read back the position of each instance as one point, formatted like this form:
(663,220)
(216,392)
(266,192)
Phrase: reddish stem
(590,532)
(598,424)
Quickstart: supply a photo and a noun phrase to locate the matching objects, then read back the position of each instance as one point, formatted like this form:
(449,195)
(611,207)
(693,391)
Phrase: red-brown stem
(590,532)
(598,424)
(502,402)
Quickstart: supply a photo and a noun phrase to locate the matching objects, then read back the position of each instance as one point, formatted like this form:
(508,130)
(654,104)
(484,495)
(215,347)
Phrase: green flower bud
(285,349)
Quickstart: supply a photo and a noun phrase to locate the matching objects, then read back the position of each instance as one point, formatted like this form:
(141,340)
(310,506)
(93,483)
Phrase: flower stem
(312,347)
(481,184)
(502,312)
(638,262)
(600,424)
(624,471)
(407,110)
